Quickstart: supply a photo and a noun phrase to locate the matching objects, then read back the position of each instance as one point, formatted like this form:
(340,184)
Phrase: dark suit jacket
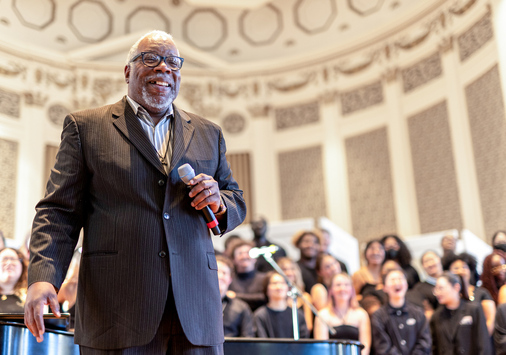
(470,336)
(140,230)
(400,331)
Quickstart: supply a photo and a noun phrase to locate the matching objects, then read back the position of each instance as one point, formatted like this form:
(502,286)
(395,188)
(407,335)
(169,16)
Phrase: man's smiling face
(153,88)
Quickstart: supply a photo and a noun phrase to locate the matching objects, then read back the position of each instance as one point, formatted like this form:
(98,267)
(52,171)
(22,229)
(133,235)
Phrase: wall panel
(301,183)
(434,170)
(488,129)
(370,185)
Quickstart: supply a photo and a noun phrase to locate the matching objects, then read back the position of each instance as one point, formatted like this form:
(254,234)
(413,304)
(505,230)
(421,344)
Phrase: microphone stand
(294,292)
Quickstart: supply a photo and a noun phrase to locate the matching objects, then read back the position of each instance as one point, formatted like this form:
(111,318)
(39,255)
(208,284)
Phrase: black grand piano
(16,339)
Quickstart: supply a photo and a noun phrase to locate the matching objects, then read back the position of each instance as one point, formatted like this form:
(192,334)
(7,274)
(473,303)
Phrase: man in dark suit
(148,280)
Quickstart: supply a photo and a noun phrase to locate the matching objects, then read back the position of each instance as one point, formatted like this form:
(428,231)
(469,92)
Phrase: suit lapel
(183,133)
(129,125)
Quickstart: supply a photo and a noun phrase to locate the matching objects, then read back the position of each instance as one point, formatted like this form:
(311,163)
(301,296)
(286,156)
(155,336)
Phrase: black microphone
(186,173)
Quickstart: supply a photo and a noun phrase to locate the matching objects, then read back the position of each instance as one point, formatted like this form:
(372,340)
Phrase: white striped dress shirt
(158,135)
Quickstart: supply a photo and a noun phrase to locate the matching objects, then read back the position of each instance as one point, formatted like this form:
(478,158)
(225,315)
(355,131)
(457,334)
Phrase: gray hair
(155,34)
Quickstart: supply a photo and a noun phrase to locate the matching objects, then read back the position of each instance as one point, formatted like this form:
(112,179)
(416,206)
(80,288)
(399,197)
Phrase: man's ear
(127,73)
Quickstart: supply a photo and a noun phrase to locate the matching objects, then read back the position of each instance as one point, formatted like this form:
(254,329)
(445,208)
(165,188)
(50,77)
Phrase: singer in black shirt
(237,316)
(247,283)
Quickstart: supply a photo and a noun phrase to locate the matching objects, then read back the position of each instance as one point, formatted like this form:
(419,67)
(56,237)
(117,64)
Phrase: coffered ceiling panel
(34,13)
(205,29)
(365,7)
(91,21)
(261,26)
(145,17)
(313,16)
(211,33)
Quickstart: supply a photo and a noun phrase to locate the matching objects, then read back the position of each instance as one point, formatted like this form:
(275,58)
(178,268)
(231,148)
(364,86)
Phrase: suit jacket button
(166,215)
(161,182)
(162,254)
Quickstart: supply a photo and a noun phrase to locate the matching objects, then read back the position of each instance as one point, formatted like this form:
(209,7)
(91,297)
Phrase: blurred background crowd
(445,306)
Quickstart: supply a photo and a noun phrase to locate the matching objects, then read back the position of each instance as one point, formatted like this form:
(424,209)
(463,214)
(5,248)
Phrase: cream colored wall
(255,93)
(441,37)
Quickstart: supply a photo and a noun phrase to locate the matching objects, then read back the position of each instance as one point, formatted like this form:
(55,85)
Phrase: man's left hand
(206,192)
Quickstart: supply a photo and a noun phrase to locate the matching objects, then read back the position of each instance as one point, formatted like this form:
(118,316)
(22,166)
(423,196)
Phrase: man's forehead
(157,43)
(395,275)
(430,256)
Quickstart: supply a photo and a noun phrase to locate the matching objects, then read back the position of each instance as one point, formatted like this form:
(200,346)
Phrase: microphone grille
(186,173)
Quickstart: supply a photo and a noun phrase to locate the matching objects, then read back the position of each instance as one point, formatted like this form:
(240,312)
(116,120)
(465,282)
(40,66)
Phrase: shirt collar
(431,280)
(393,310)
(135,106)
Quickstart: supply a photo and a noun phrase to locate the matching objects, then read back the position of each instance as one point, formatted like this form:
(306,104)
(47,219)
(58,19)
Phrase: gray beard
(159,104)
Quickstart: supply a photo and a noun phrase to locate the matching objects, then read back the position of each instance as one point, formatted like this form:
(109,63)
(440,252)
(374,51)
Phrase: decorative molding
(390,75)
(233,91)
(475,37)
(409,42)
(462,6)
(297,116)
(104,88)
(56,114)
(13,69)
(361,98)
(210,110)
(55,78)
(422,72)
(194,94)
(35,98)
(328,97)
(350,69)
(287,85)
(234,123)
(259,111)
(83,103)
(10,103)
(446,44)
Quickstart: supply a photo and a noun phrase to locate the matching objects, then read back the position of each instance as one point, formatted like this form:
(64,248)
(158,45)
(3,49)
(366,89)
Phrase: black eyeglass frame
(162,58)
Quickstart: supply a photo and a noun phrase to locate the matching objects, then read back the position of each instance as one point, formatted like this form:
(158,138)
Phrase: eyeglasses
(9,260)
(153,60)
(438,290)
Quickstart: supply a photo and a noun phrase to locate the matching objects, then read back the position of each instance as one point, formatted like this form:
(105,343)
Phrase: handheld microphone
(186,173)
(256,252)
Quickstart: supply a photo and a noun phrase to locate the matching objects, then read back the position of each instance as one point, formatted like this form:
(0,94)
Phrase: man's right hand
(39,294)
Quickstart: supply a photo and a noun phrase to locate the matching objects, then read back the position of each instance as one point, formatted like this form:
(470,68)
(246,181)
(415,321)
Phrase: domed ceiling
(211,34)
